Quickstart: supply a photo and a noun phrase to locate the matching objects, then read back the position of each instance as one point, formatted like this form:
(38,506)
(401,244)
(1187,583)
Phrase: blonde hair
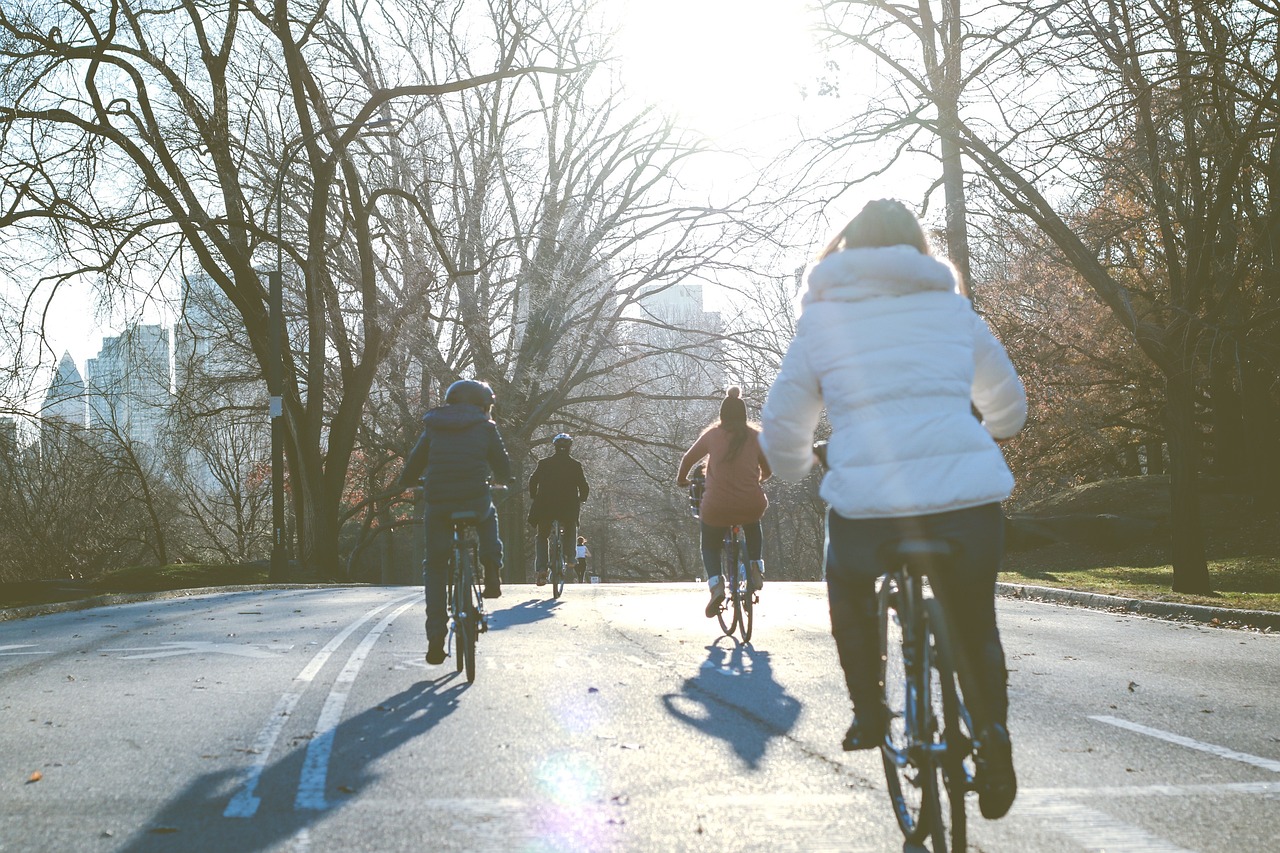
(883,222)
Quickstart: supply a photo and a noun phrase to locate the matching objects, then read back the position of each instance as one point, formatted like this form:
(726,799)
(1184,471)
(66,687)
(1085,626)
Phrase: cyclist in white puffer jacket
(890,346)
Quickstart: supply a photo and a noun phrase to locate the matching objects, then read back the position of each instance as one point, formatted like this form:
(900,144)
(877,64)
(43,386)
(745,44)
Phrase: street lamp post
(279,570)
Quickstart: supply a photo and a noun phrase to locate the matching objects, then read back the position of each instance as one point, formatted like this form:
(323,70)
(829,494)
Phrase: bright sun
(718,64)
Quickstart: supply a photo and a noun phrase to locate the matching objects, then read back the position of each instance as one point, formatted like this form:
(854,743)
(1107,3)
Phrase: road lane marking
(12,650)
(245,802)
(315,767)
(1213,749)
(203,647)
(1093,830)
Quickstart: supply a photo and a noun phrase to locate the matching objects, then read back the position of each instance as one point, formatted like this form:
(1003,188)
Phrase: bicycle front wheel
(907,765)
(555,562)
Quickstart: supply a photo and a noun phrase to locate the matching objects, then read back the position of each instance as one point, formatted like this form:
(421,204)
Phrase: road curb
(110,598)
(1263,620)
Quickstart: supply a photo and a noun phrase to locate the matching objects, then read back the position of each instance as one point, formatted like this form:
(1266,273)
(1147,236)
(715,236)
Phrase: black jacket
(456,455)
(558,487)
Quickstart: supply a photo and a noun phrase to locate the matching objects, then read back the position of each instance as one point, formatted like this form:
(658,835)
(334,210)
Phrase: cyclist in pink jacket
(735,469)
(893,350)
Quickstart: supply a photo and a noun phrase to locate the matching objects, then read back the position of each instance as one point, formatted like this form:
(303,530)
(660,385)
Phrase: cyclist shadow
(523,613)
(735,698)
(358,744)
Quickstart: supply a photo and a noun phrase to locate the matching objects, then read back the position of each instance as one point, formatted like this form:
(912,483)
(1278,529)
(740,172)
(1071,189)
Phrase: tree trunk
(511,520)
(1261,436)
(1230,456)
(1190,570)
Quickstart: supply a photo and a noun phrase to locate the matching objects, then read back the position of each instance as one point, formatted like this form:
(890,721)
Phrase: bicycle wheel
(907,769)
(557,566)
(462,639)
(730,609)
(956,765)
(746,609)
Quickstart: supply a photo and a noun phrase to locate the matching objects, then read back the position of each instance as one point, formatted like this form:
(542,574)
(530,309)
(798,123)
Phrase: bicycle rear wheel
(955,767)
(746,604)
(555,565)
(907,767)
(464,636)
(731,608)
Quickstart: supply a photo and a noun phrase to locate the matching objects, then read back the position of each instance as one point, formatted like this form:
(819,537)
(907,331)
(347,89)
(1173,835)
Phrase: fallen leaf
(593,689)
(1133,686)
(35,776)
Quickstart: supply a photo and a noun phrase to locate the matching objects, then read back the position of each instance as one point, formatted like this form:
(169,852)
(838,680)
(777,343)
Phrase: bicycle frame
(467,617)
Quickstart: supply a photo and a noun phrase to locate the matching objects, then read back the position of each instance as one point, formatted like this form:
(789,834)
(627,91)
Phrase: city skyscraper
(64,406)
(129,386)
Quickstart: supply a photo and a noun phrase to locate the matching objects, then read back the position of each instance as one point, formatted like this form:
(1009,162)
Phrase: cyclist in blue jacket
(457,455)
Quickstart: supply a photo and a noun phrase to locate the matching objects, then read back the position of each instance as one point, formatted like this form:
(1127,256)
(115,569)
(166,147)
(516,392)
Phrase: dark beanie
(733,410)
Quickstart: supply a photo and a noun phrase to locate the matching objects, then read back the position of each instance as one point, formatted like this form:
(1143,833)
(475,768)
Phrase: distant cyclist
(583,553)
(888,344)
(457,455)
(558,487)
(736,467)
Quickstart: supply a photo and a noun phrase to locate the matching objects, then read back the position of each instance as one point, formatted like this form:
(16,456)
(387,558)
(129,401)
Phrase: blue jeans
(713,545)
(439,546)
(853,565)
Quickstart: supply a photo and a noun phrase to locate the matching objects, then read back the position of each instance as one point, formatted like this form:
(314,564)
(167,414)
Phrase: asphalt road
(306,720)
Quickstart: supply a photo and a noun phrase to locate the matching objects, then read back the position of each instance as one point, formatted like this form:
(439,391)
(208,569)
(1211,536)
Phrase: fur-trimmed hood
(857,274)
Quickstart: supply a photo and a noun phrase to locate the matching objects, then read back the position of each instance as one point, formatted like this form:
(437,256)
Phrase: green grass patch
(1247,583)
(178,576)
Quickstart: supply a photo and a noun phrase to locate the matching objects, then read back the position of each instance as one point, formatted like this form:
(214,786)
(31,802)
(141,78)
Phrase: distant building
(129,384)
(693,362)
(8,435)
(64,406)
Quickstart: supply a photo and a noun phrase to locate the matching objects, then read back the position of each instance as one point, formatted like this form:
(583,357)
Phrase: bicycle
(929,695)
(555,560)
(464,602)
(737,610)
(930,742)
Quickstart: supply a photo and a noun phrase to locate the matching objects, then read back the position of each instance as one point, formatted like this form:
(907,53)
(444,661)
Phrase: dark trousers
(439,548)
(713,545)
(568,543)
(967,596)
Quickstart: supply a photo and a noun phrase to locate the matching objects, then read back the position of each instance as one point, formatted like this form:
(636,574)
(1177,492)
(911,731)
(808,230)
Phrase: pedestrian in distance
(889,344)
(457,455)
(558,489)
(582,554)
(733,494)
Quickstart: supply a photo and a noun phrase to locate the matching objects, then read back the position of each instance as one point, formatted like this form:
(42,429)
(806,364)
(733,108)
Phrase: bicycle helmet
(562,440)
(470,391)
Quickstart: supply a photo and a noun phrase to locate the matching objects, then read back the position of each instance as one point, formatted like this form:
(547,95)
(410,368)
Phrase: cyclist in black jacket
(457,455)
(558,488)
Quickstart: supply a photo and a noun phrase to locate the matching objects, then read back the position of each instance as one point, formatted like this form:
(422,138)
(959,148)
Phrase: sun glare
(718,65)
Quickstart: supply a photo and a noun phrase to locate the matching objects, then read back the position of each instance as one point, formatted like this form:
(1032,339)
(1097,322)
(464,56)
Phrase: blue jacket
(456,455)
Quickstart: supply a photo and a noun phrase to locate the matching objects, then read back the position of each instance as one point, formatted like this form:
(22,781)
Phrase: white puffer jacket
(896,355)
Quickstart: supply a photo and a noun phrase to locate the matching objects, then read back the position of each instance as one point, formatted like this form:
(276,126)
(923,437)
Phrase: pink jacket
(733,494)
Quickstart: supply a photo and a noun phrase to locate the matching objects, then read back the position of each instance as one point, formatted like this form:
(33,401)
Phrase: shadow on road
(734,697)
(523,613)
(193,819)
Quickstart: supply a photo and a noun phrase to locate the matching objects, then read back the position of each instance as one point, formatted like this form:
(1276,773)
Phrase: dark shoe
(716,586)
(435,651)
(993,776)
(542,578)
(864,734)
(492,584)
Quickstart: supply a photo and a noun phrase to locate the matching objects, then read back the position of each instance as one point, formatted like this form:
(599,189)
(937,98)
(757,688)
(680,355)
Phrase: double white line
(315,768)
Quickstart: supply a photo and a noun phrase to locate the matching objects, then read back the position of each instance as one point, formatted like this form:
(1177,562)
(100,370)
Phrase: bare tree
(137,131)
(1171,136)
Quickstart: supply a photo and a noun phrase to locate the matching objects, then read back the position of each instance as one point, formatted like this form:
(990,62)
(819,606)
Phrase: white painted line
(315,767)
(245,802)
(10,650)
(1213,749)
(1113,791)
(1094,831)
